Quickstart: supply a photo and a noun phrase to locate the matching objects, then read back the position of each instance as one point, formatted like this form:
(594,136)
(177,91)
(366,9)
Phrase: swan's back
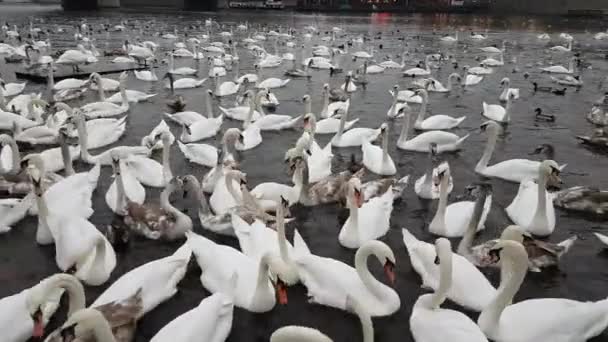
(294,333)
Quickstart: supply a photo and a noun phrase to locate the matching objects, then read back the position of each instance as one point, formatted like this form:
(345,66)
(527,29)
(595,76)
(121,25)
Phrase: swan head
(443,173)
(233,136)
(62,135)
(422,92)
(355,196)
(309,121)
(511,251)
(514,233)
(505,81)
(385,256)
(34,301)
(306,98)
(491,127)
(237,175)
(549,168)
(81,321)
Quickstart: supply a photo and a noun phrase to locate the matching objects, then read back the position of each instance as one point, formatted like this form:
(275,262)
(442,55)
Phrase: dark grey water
(583,272)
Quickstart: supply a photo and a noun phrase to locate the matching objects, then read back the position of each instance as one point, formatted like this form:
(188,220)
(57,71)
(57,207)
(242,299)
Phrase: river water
(582,274)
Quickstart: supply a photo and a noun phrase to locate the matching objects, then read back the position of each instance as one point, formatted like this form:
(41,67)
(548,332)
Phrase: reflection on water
(583,271)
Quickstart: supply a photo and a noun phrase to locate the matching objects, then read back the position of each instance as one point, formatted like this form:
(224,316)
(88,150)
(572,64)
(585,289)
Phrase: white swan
(330,282)
(146,278)
(470,78)
(151,140)
(494,49)
(183,83)
(429,322)
(146,75)
(450,39)
(254,291)
(211,320)
(317,159)
(105,108)
(561,48)
(78,243)
(452,220)
(107,84)
(434,122)
(445,141)
(470,288)
(354,136)
(125,187)
(435,86)
(242,112)
(562,320)
(185,71)
(419,71)
(559,69)
(507,91)
(12,89)
(150,172)
(226,88)
(377,159)
(367,221)
(25,314)
(133,96)
(331,109)
(532,208)
(204,128)
(493,62)
(513,170)
(497,112)
(100,132)
(226,192)
(398,105)
(328,125)
(13,210)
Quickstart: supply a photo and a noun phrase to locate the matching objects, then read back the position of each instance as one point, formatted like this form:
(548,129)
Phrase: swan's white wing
(147,171)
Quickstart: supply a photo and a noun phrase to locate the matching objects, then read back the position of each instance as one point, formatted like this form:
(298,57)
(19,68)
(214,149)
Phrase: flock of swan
(65,126)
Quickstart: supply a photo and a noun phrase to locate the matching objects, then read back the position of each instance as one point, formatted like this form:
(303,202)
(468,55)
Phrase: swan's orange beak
(389,270)
(306,123)
(38,325)
(281,290)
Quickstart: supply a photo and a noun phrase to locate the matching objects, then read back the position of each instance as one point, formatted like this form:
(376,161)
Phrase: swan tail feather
(460,141)
(409,239)
(184,252)
(299,245)
(566,245)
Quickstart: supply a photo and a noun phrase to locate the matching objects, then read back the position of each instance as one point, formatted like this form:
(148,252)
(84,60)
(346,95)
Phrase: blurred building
(554,7)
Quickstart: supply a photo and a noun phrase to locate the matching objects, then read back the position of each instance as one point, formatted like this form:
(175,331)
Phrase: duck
(414,72)
(452,220)
(254,292)
(499,319)
(497,112)
(367,221)
(28,312)
(558,69)
(512,170)
(428,320)
(541,254)
(470,288)
(354,136)
(377,159)
(435,86)
(183,83)
(434,122)
(103,108)
(446,141)
(373,296)
(78,243)
(532,208)
(540,116)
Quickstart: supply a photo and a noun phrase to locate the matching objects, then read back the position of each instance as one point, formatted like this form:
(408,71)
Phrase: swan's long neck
(514,273)
(209,106)
(123,94)
(83,139)
(171,62)
(428,177)
(167,174)
(439,219)
(101,328)
(354,216)
(204,208)
(43,233)
(282,239)
(231,190)
(465,244)
(69,283)
(100,91)
(404,128)
(449,86)
(342,123)
(508,109)
(262,284)
(541,204)
(326,102)
(16,165)
(50,84)
(67,158)
(422,112)
(487,152)
(445,279)
(394,105)
(385,156)
(121,197)
(166,204)
(371,283)
(248,120)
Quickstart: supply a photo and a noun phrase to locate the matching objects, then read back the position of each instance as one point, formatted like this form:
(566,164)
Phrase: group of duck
(258,275)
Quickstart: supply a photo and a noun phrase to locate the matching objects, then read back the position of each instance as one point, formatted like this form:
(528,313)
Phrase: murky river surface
(583,273)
